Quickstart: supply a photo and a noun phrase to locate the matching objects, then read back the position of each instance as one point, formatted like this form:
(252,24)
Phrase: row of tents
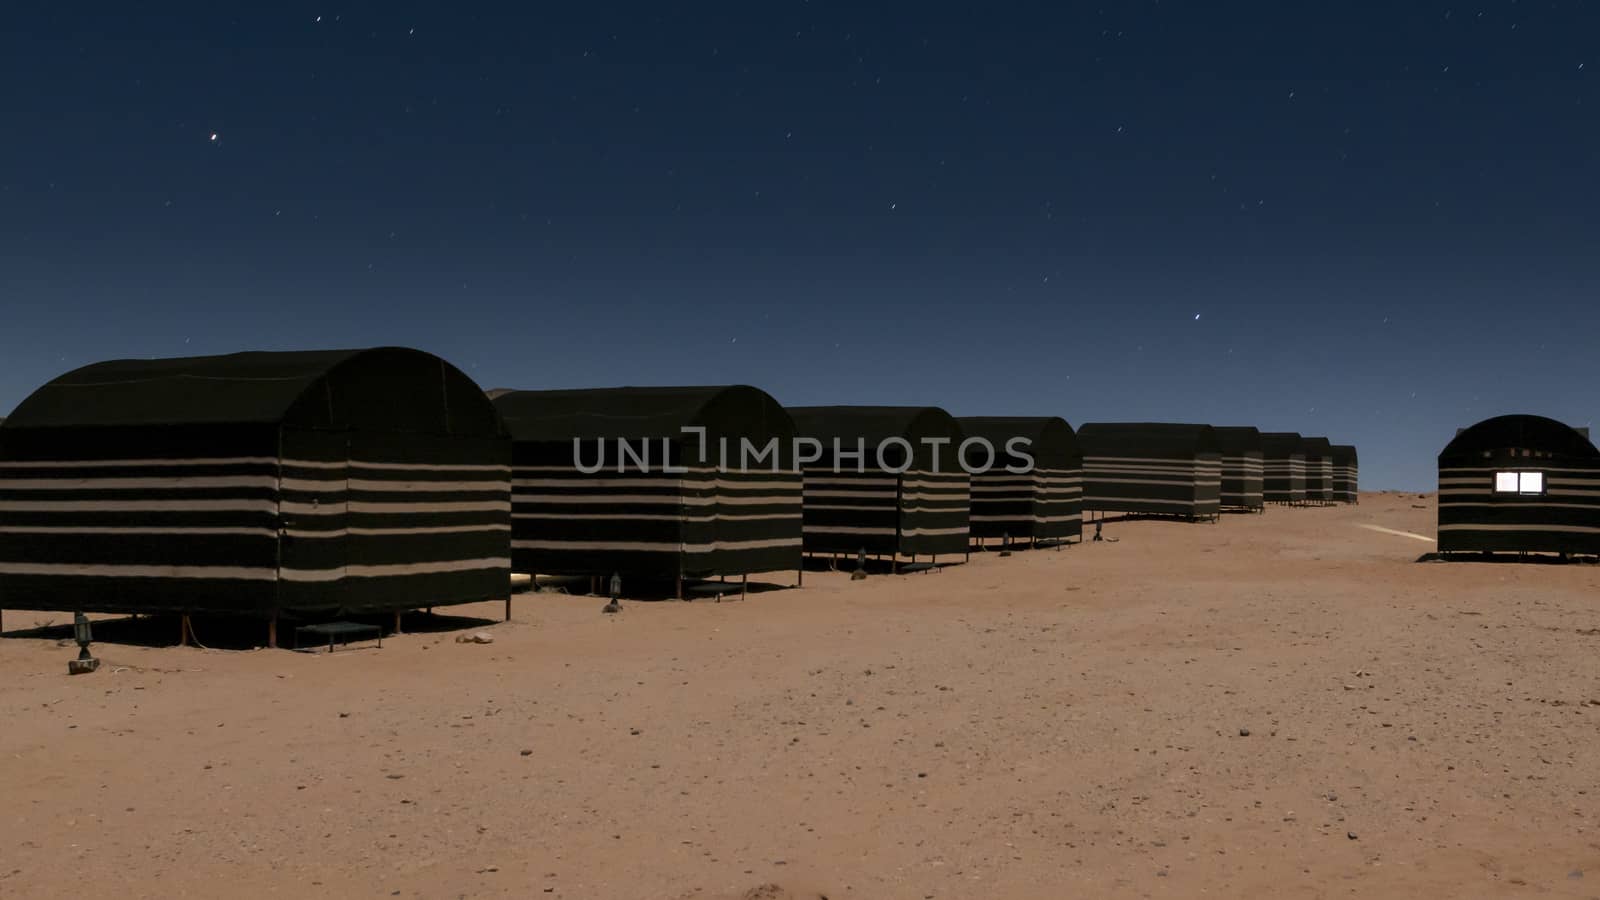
(332,482)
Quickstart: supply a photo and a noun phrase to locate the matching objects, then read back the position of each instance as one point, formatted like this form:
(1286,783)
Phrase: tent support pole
(744,586)
(680,585)
(800,575)
(508,608)
(397,622)
(183,630)
(272,632)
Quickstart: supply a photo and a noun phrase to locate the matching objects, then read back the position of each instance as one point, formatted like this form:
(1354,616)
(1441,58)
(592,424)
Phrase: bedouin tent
(1523,484)
(1318,454)
(1044,500)
(1346,474)
(1243,468)
(654,482)
(317,482)
(887,481)
(1151,468)
(1283,467)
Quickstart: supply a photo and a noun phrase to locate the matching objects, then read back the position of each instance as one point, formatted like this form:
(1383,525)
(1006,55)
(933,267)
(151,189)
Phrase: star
(1197,317)
(213,137)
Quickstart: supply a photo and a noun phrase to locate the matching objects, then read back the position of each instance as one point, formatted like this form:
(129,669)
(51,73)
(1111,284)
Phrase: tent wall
(1243,468)
(147,519)
(1283,468)
(1045,502)
(429,521)
(859,502)
(1474,517)
(729,512)
(1346,474)
(1243,478)
(1319,470)
(1151,469)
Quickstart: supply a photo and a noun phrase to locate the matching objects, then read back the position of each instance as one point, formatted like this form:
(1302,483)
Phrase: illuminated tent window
(1519,482)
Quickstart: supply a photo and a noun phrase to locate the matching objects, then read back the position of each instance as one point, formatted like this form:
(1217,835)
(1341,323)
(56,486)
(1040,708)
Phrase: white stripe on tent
(195,482)
(390,571)
(656,546)
(147,463)
(234,573)
(240,505)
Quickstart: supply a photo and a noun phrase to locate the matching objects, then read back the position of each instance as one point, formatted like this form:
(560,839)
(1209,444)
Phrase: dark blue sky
(1383,213)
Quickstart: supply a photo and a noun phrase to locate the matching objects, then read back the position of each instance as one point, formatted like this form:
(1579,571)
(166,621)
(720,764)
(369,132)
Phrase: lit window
(1519,482)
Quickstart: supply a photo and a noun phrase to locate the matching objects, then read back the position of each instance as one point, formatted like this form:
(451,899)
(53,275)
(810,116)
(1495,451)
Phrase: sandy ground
(1059,723)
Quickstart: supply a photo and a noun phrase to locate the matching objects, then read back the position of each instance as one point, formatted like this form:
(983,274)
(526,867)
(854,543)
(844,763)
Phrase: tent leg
(183,630)
(397,622)
(508,608)
(800,576)
(680,585)
(744,586)
(272,632)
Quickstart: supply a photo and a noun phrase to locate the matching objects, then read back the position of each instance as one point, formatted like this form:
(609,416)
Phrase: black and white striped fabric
(1283,468)
(1243,470)
(1346,474)
(894,506)
(334,514)
(1043,502)
(1519,484)
(658,506)
(1319,470)
(1151,468)
(1242,481)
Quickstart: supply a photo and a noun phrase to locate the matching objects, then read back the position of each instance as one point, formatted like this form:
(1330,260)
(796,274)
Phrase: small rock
(527,753)
(1332,796)
(1350,834)
(1575,874)
(634,731)
(1244,732)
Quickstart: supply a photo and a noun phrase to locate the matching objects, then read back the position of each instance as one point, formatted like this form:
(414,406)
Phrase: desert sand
(1283,705)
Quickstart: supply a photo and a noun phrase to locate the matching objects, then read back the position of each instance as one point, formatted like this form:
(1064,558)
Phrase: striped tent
(885,479)
(659,482)
(1151,468)
(1318,454)
(1522,484)
(1346,480)
(1043,501)
(255,483)
(1284,467)
(1242,468)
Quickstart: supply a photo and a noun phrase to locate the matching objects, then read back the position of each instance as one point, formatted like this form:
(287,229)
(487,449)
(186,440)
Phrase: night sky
(1373,221)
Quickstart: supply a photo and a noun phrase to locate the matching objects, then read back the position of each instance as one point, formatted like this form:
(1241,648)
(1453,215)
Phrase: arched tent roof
(1521,432)
(1281,443)
(1054,443)
(874,423)
(1237,439)
(380,389)
(641,412)
(1316,446)
(1147,438)
(1344,454)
